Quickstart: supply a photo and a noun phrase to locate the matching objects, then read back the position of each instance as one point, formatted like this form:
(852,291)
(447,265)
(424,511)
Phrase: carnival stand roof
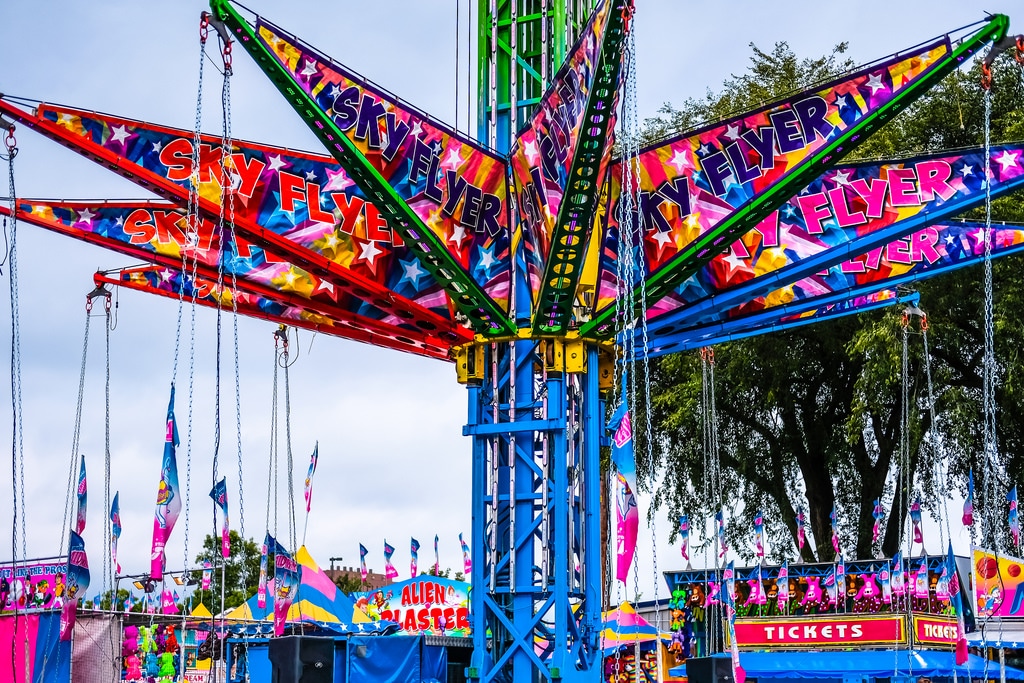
(624,627)
(318,602)
(874,663)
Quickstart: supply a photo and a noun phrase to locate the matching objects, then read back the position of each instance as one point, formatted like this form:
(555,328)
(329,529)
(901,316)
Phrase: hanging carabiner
(204,27)
(10,141)
(226,55)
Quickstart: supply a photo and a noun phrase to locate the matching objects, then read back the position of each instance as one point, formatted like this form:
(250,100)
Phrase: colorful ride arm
(742,170)
(411,158)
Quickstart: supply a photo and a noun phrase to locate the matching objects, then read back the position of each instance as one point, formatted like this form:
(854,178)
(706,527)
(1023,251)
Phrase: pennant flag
(915,519)
(921,580)
(782,582)
(968,517)
(414,550)
(168,497)
(83,499)
(219,493)
(362,561)
(309,474)
(831,581)
(878,514)
(833,517)
(841,578)
(1014,519)
(956,598)
(884,578)
(801,529)
(723,547)
(759,534)
(757,594)
(167,605)
(128,604)
(627,524)
(467,560)
(684,537)
(261,591)
(622,445)
(729,577)
(286,582)
(899,581)
(76,585)
(115,531)
(437,561)
(389,569)
(207,575)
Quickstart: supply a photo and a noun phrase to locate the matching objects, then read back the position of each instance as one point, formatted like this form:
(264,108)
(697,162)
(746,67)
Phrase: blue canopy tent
(864,663)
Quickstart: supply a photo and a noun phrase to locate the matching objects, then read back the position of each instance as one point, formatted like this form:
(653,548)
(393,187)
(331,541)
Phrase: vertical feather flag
(309,474)
(437,559)
(76,586)
(684,537)
(921,580)
(83,499)
(956,598)
(801,529)
(219,493)
(830,585)
(729,577)
(168,496)
(915,519)
(878,514)
(885,579)
(834,518)
(841,580)
(115,531)
(207,575)
(362,561)
(261,591)
(389,569)
(127,604)
(467,561)
(759,534)
(414,553)
(723,547)
(1014,519)
(782,582)
(627,518)
(286,584)
(622,445)
(968,516)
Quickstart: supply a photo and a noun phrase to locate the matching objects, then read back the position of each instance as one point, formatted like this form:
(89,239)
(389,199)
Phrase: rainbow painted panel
(843,212)
(691,183)
(304,197)
(543,151)
(457,187)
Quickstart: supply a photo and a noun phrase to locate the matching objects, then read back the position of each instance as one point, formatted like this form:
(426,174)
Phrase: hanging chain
(75,438)
(988,362)
(108,574)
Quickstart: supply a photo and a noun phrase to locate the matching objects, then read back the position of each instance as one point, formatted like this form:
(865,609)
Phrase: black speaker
(302,659)
(709,670)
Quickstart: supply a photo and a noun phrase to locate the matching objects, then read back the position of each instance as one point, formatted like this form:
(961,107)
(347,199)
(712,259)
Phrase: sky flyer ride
(546,269)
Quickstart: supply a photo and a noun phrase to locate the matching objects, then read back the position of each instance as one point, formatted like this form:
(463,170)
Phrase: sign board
(935,630)
(426,605)
(31,586)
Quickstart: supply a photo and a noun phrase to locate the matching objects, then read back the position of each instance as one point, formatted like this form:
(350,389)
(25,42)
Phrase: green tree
(813,417)
(241,571)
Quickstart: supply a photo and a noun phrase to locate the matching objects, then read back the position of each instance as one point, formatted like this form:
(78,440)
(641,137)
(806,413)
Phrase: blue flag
(623,456)
(219,493)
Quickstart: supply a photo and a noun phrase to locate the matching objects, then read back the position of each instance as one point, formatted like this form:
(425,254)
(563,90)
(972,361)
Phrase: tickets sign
(932,630)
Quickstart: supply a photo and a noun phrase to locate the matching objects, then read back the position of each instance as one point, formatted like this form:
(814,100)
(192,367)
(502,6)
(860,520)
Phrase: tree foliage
(813,417)
(241,571)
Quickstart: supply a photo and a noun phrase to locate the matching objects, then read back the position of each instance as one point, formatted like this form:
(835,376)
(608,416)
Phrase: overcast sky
(393,462)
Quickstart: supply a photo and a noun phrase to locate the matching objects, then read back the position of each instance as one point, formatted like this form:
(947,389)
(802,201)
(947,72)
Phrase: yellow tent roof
(200,611)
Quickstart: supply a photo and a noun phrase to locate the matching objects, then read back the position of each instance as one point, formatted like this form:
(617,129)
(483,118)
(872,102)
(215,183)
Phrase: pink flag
(168,497)
(389,569)
(628,523)
(467,561)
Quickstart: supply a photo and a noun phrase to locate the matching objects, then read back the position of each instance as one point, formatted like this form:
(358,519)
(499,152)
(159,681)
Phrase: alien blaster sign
(840,631)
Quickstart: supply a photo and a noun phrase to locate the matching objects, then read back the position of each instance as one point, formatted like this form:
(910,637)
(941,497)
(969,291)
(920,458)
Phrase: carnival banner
(414,555)
(34,585)
(287,574)
(83,498)
(684,537)
(389,569)
(968,516)
(115,532)
(998,584)
(627,524)
(362,561)
(623,457)
(219,494)
(467,561)
(308,490)
(261,591)
(426,605)
(878,514)
(168,496)
(77,584)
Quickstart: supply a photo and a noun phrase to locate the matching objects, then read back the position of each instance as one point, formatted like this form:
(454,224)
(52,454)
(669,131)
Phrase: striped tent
(317,600)
(624,627)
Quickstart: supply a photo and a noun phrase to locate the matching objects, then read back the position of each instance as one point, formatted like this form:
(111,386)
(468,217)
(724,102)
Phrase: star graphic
(950,239)
(967,170)
(416,129)
(289,277)
(325,286)
(732,131)
(276,162)
(119,134)
(85,216)
(411,272)
(486,258)
(453,160)
(311,176)
(369,252)
(530,150)
(734,260)
(925,57)
(842,178)
(840,101)
(119,221)
(437,147)
(679,160)
(789,210)
(331,241)
(1007,159)
(663,238)
(337,180)
(309,69)
(458,236)
(703,149)
(875,83)
(157,147)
